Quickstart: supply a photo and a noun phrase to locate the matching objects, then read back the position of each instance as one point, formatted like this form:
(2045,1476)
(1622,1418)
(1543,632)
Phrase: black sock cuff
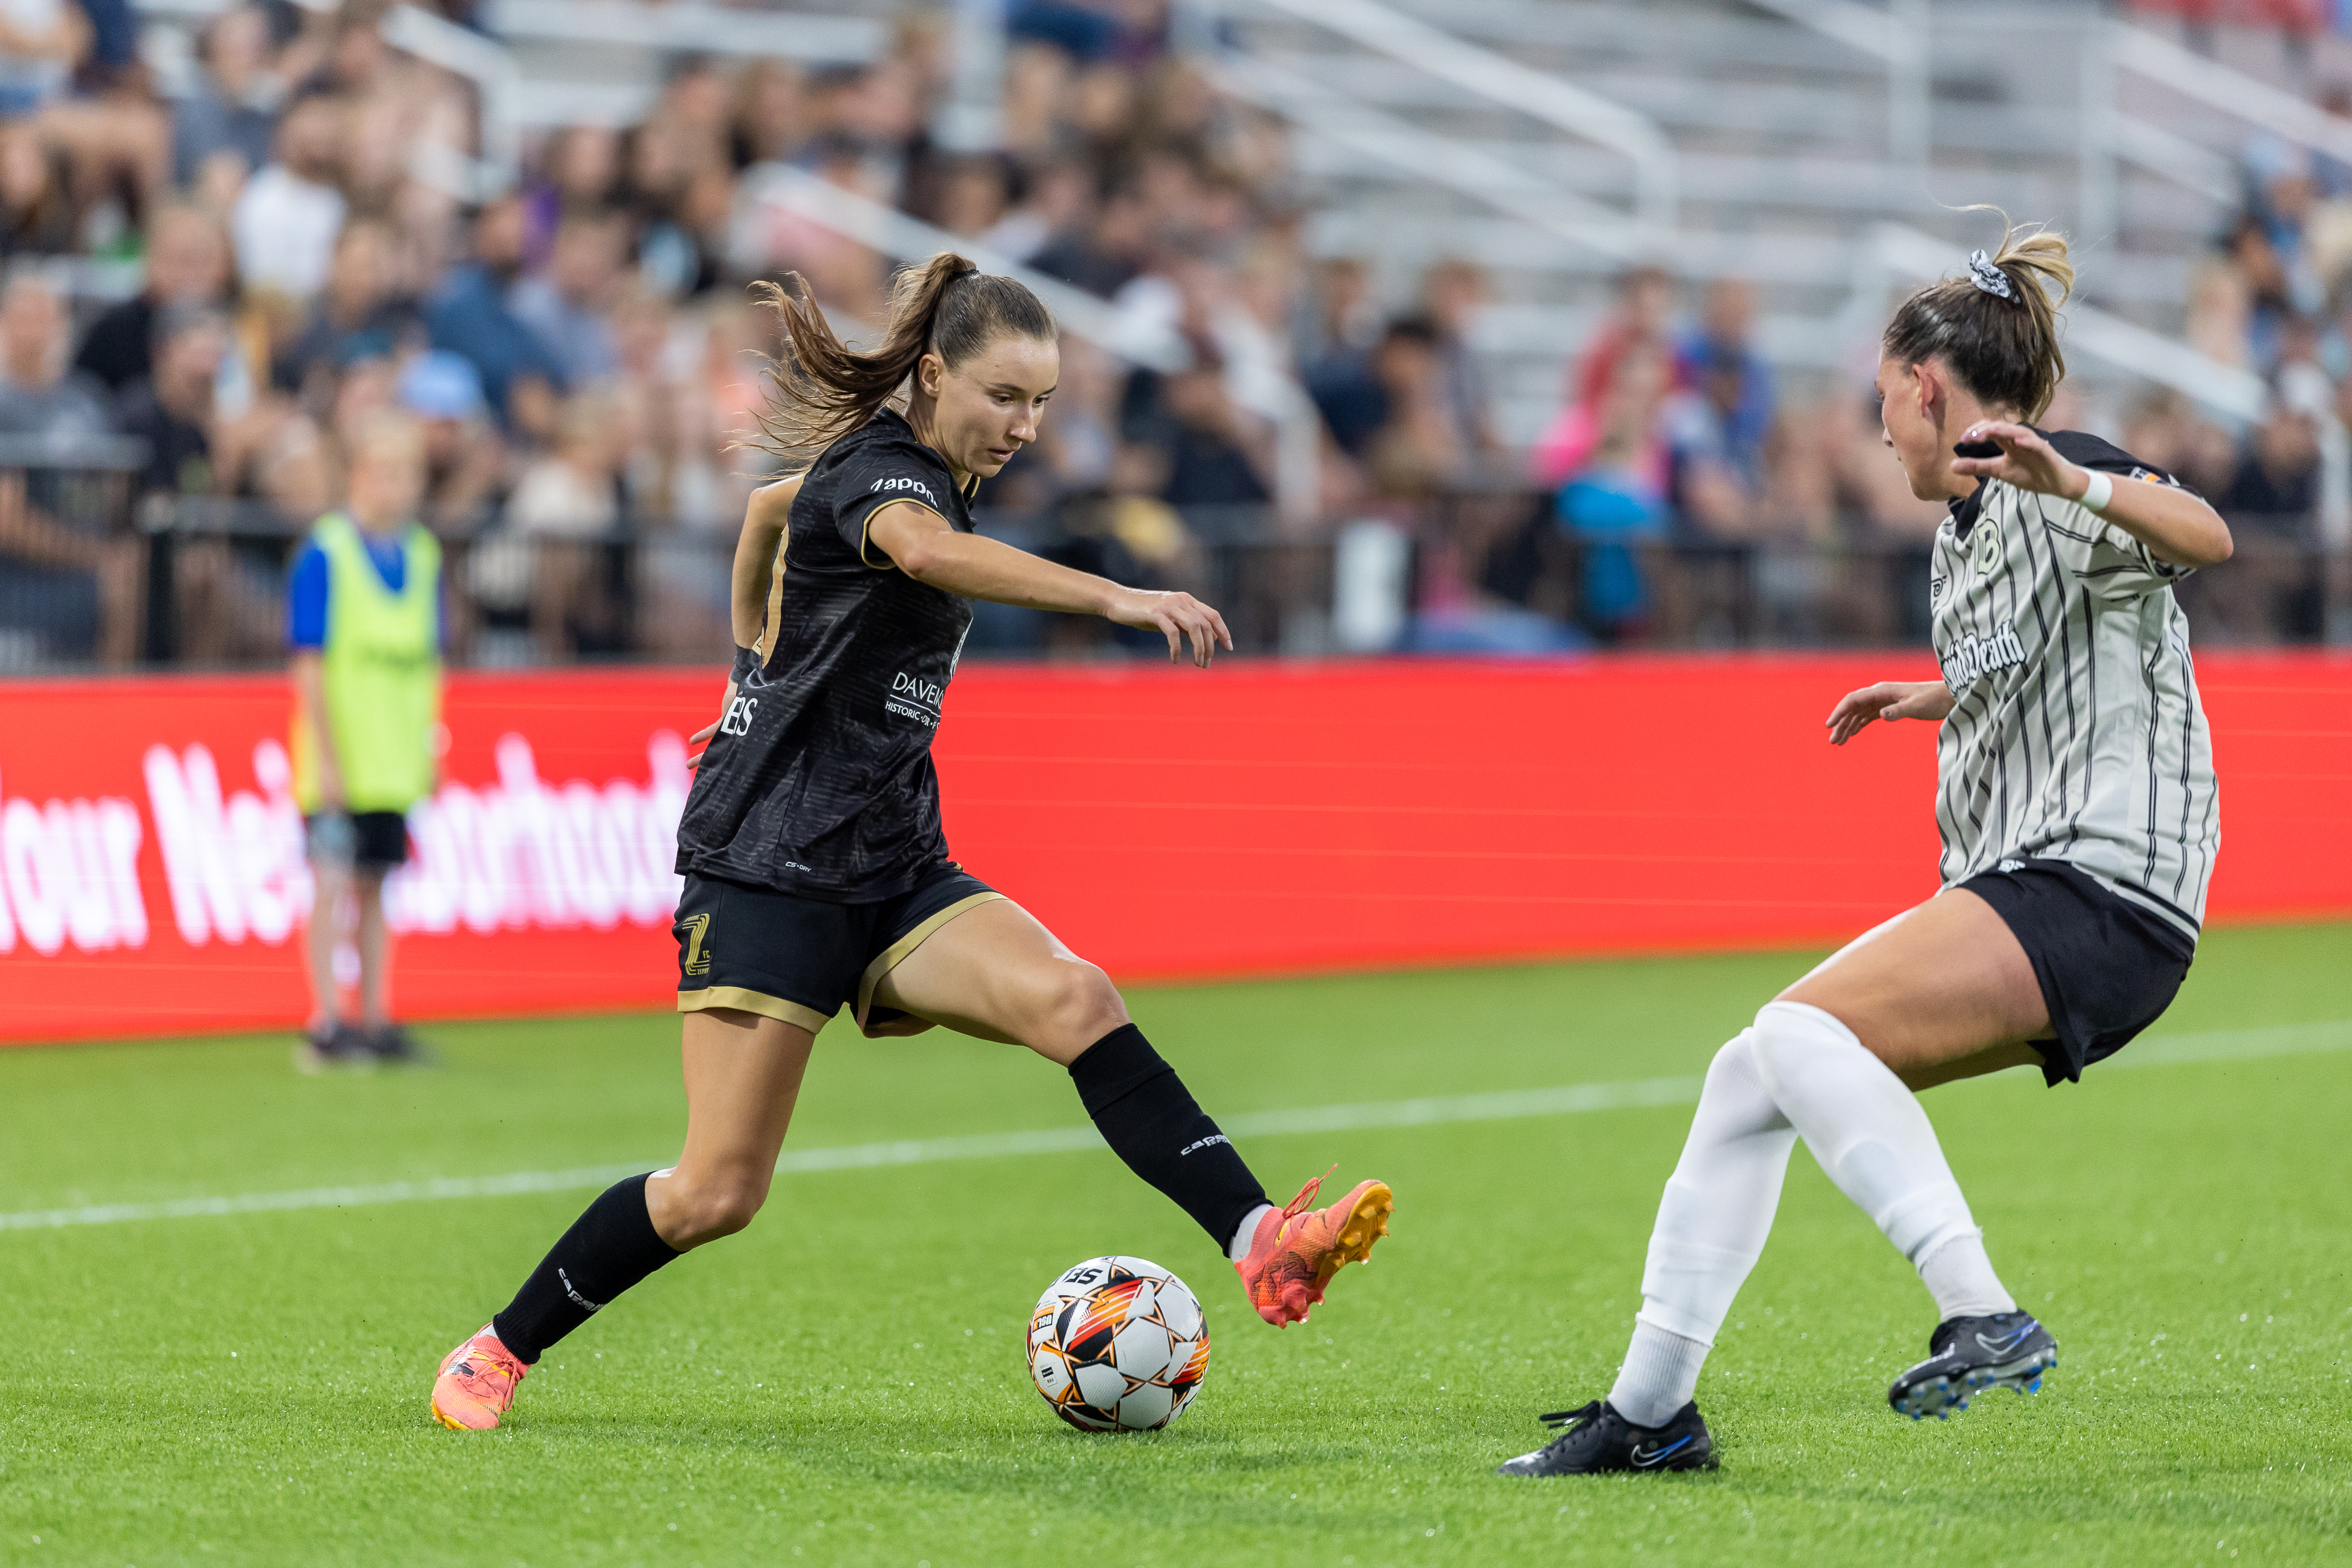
(1115,1066)
(611,1247)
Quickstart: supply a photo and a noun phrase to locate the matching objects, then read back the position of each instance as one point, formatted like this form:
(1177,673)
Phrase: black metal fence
(94,576)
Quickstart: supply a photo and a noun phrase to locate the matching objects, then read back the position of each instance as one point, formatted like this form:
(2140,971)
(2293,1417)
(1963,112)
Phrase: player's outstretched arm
(922,544)
(2175,524)
(1888,700)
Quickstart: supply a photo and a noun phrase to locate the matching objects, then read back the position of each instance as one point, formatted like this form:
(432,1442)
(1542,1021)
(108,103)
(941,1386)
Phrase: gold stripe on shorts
(759,1001)
(896,953)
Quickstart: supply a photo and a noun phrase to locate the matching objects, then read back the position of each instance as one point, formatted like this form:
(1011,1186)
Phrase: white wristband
(2097,494)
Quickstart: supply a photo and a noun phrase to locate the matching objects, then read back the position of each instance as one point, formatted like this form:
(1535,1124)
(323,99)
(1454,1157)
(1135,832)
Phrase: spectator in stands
(366,628)
(74,576)
(1646,297)
(37,217)
(1614,505)
(1719,476)
(1214,460)
(2270,292)
(465,461)
(569,306)
(1103,246)
(1419,444)
(1718,359)
(187,264)
(41,41)
(2277,479)
(1338,355)
(1453,292)
(355,316)
(581,173)
(469,315)
(172,408)
(232,113)
(289,215)
(562,508)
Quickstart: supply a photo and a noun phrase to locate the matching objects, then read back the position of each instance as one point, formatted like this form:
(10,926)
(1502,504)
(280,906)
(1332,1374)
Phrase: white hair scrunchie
(1988,278)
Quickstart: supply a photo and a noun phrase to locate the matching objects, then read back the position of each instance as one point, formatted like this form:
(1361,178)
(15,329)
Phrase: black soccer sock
(1152,1121)
(611,1247)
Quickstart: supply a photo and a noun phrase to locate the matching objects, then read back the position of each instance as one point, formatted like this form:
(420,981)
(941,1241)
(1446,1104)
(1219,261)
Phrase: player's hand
(1888,700)
(702,737)
(2026,460)
(1179,616)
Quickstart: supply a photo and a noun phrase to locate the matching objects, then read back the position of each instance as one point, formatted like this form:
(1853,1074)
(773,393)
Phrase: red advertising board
(1258,818)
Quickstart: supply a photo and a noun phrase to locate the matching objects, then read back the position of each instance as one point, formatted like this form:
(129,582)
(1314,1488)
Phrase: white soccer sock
(1961,1277)
(1874,1139)
(1660,1374)
(1712,1223)
(1238,1247)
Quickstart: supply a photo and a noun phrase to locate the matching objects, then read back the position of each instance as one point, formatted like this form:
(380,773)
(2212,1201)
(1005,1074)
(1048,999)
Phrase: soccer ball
(1118,1344)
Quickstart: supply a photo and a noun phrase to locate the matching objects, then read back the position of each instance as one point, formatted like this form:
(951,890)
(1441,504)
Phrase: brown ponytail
(822,389)
(2004,351)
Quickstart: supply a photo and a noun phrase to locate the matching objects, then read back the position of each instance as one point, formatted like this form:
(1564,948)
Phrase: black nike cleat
(1596,1440)
(2007,1350)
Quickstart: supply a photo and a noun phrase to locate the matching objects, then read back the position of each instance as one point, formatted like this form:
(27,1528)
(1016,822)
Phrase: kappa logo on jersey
(915,486)
(1984,547)
(1973,656)
(912,697)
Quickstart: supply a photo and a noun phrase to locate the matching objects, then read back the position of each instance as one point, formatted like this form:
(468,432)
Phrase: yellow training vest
(383,667)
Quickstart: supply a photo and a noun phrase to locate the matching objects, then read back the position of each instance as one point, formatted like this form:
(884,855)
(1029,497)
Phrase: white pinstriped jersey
(2075,733)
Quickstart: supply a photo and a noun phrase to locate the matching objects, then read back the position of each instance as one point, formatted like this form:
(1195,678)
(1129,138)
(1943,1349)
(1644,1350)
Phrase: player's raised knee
(695,1211)
(1073,1001)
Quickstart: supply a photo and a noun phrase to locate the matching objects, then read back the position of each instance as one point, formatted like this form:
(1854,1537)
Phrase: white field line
(2224,1044)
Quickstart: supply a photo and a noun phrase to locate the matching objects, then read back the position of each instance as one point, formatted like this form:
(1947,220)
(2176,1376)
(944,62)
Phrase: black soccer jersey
(820,781)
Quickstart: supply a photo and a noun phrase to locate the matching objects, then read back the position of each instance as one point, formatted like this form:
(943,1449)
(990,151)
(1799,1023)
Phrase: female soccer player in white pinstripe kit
(2077,801)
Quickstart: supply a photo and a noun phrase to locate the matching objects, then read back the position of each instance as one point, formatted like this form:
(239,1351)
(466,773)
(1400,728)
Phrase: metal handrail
(1899,36)
(1508,188)
(1498,79)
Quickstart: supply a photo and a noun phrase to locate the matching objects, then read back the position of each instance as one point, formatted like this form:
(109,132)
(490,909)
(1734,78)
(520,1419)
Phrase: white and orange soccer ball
(1118,1344)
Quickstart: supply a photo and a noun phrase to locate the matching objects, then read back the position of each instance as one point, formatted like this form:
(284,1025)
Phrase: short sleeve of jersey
(306,599)
(879,471)
(2108,561)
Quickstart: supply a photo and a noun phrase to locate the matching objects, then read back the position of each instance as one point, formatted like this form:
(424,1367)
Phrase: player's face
(990,406)
(1909,406)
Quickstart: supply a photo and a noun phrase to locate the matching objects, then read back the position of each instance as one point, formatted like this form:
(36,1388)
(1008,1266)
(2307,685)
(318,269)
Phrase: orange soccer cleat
(1296,1252)
(477,1384)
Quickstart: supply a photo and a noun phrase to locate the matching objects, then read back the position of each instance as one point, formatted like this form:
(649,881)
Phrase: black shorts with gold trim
(799,960)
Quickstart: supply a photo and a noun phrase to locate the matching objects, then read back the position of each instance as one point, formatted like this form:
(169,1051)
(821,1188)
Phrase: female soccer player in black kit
(2080,818)
(817,872)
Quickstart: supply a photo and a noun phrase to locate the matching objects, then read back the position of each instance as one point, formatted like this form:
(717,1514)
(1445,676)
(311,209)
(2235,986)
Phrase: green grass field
(844,1383)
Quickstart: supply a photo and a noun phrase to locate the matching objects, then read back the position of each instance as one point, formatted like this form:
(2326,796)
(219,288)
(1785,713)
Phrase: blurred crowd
(582,344)
(237,265)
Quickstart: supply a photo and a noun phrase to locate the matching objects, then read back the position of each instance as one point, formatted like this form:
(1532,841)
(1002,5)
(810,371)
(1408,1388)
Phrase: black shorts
(798,959)
(381,836)
(2108,967)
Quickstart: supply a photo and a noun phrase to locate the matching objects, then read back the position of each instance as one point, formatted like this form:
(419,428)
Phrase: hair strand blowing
(821,389)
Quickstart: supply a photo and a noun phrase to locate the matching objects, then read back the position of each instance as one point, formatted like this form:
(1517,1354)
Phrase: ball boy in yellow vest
(366,623)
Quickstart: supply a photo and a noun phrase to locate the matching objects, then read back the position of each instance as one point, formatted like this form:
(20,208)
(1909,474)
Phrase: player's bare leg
(996,973)
(742,1074)
(743,1077)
